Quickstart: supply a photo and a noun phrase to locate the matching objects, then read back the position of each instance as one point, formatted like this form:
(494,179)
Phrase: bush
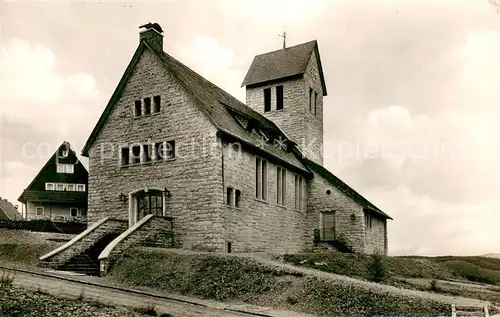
(376,268)
(43,225)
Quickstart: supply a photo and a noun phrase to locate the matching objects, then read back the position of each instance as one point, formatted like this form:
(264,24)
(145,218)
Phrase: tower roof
(282,64)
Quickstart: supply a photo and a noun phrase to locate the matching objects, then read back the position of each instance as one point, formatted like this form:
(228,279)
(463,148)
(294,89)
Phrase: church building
(230,176)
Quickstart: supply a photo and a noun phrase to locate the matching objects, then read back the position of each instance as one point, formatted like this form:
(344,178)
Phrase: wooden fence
(469,311)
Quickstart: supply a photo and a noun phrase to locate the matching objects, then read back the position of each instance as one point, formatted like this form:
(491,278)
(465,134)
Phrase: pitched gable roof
(218,105)
(48,173)
(283,63)
(9,210)
(343,187)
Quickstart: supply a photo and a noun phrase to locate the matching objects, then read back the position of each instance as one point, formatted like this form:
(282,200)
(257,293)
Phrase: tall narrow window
(279,97)
(156,101)
(315,102)
(159,151)
(147,105)
(299,183)
(328,225)
(138,108)
(261,178)
(229,196)
(237,198)
(125,156)
(267,99)
(170,150)
(310,99)
(281,186)
(136,154)
(147,153)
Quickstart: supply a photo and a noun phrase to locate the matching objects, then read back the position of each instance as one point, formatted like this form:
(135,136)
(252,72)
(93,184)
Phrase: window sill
(146,115)
(261,200)
(281,206)
(233,207)
(148,163)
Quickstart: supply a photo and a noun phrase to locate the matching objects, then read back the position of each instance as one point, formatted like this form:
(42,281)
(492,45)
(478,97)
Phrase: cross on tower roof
(284,39)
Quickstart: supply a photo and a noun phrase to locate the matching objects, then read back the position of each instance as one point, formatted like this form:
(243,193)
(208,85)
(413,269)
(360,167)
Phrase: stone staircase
(87,262)
(81,253)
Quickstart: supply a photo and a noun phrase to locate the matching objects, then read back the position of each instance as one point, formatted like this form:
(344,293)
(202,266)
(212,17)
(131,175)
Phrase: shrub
(44,225)
(150,310)
(376,268)
(6,281)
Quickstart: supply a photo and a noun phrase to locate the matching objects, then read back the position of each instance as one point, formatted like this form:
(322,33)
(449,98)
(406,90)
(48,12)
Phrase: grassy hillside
(476,269)
(237,279)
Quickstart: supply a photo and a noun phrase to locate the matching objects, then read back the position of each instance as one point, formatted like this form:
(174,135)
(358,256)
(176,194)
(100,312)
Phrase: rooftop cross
(284,39)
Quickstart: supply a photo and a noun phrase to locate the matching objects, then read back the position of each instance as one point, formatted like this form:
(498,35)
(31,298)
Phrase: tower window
(315,102)
(267,99)
(229,196)
(310,99)
(279,97)
(147,106)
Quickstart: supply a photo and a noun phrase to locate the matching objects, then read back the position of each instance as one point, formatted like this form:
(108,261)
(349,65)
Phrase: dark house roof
(219,107)
(284,63)
(343,187)
(48,173)
(8,211)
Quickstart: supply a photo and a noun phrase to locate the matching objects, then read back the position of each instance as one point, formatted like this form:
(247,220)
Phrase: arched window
(149,203)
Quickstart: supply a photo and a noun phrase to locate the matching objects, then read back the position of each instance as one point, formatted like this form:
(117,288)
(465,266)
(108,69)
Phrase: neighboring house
(8,211)
(59,191)
(233,176)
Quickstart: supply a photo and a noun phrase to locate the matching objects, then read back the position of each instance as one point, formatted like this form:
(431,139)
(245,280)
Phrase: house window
(368,221)
(328,225)
(281,186)
(59,186)
(70,187)
(80,187)
(49,186)
(170,150)
(138,108)
(73,211)
(229,196)
(299,183)
(40,211)
(261,178)
(136,154)
(125,156)
(237,198)
(279,97)
(156,101)
(147,106)
(65,168)
(147,153)
(267,99)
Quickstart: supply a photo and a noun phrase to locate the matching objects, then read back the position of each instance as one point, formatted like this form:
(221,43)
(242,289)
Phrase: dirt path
(178,306)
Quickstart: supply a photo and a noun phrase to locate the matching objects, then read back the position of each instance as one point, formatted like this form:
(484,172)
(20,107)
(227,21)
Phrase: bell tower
(287,86)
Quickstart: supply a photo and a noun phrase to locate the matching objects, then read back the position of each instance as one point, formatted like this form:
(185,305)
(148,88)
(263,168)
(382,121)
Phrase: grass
(235,279)
(477,269)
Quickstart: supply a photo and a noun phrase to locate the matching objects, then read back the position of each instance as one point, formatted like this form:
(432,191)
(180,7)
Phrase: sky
(410,120)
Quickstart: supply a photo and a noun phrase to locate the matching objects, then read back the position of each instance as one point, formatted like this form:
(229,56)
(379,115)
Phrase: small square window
(138,108)
(40,211)
(49,186)
(157,102)
(60,168)
(237,198)
(136,154)
(71,187)
(60,187)
(229,196)
(125,156)
(80,187)
(73,211)
(69,168)
(147,106)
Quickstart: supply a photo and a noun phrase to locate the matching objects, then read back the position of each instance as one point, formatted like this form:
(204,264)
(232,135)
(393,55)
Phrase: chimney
(153,35)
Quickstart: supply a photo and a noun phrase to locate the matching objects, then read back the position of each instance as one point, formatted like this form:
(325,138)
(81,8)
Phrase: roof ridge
(289,47)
